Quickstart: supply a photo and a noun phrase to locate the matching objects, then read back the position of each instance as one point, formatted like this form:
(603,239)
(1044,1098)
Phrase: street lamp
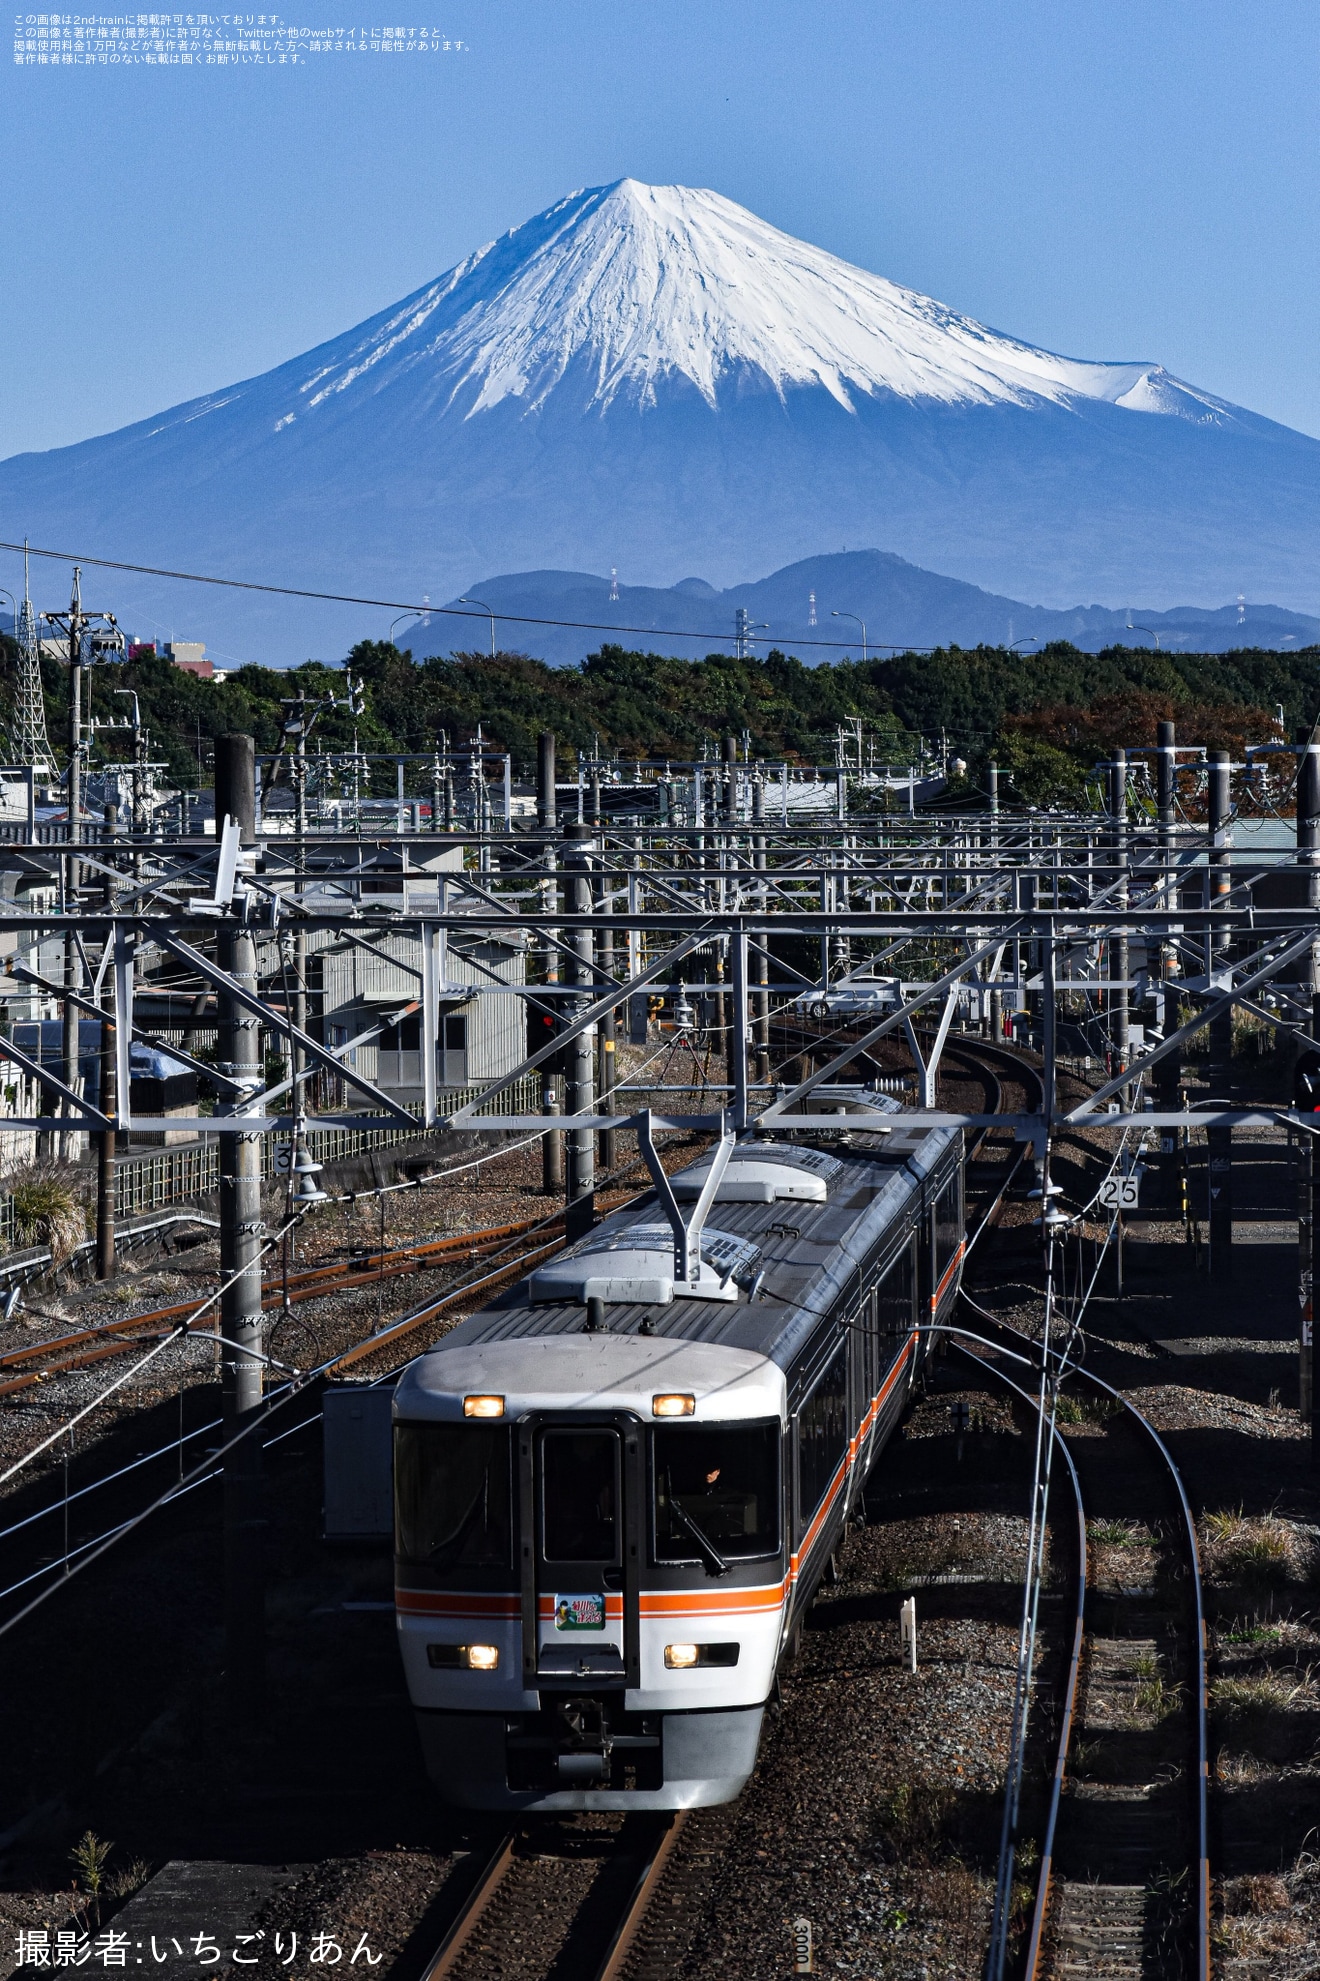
(1145,629)
(861,622)
(1029,640)
(399,621)
(485,608)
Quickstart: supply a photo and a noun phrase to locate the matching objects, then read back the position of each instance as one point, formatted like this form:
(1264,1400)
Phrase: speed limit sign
(1119,1193)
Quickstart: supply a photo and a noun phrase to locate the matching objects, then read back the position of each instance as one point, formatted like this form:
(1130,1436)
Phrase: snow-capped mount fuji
(653,378)
(651,287)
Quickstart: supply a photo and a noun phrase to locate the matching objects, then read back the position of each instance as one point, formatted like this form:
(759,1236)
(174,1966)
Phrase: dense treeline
(1047,716)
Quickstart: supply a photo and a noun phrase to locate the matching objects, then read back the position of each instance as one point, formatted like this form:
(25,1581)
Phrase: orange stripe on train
(428,1602)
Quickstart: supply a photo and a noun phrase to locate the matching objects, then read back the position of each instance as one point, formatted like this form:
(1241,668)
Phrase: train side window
(822,1435)
(893,1297)
(580,1495)
(947,1220)
(723,1481)
(452,1496)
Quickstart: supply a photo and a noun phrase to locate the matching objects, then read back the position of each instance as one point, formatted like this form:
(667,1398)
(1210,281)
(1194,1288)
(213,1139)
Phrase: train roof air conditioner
(637,1264)
(763,1173)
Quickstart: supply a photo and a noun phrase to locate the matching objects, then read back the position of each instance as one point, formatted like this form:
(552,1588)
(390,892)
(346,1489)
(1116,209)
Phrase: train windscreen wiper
(710,1554)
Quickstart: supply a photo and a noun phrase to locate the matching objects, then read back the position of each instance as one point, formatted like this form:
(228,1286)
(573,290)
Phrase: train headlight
(682,1657)
(463,1657)
(483,1406)
(673,1406)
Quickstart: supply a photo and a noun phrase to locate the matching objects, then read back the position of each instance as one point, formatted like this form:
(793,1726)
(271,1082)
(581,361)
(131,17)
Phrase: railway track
(20,1368)
(1123,1885)
(559,1899)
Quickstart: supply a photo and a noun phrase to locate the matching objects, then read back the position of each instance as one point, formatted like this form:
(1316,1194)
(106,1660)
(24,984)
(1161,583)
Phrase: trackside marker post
(907,1627)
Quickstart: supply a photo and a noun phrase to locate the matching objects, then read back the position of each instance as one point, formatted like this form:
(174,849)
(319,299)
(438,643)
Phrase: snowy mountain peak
(633,287)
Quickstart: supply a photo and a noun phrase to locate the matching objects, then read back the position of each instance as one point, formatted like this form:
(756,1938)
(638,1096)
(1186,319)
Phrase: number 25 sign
(1119,1193)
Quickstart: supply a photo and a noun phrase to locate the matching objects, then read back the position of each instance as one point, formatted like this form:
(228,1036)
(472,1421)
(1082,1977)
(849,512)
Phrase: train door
(581,1546)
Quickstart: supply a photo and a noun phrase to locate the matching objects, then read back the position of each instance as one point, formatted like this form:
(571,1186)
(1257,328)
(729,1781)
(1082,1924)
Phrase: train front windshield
(717,1487)
(452,1498)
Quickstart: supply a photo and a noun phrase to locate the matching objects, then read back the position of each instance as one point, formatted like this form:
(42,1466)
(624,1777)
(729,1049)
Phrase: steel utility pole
(241,1234)
(101,631)
(109,1096)
(1218,883)
(1308,855)
(607,1071)
(762,994)
(579,1094)
(72,962)
(1119,1010)
(552,1144)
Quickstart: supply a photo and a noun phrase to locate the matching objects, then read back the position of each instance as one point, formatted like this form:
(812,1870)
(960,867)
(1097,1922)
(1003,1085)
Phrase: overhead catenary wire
(178,1333)
(430,611)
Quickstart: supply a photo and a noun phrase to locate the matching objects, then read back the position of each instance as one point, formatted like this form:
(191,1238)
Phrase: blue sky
(1111,181)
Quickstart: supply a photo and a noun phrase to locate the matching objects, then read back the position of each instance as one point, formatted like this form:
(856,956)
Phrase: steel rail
(1202,1740)
(450,1950)
(67,1352)
(1070,1683)
(654,1861)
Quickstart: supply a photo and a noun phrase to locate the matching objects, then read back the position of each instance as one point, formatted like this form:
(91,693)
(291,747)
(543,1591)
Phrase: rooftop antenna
(30,742)
(614,585)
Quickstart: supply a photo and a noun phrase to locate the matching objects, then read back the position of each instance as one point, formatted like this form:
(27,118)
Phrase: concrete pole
(580,1086)
(241,1233)
(547,821)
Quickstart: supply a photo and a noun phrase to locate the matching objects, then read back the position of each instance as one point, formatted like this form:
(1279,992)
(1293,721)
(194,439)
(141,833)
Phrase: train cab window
(948,1225)
(716,1491)
(580,1495)
(452,1499)
(822,1435)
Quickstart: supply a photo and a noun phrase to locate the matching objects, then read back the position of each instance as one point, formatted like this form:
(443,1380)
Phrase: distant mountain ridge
(653,378)
(902,606)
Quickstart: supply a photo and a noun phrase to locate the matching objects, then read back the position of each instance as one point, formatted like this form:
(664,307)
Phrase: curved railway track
(1123,1884)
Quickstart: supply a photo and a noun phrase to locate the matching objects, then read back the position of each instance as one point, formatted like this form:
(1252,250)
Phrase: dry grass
(48,1208)
(1260,1697)
(1239,1770)
(1155,1698)
(1257,1918)
(1119,1534)
(1243,1548)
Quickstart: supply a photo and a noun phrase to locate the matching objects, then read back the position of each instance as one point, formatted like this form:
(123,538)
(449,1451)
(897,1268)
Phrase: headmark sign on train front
(580,1612)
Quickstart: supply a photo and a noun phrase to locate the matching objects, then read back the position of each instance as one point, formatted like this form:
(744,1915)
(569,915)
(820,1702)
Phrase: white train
(617,1487)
